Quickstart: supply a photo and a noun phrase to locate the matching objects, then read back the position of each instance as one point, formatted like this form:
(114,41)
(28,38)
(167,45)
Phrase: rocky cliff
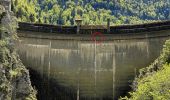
(15,81)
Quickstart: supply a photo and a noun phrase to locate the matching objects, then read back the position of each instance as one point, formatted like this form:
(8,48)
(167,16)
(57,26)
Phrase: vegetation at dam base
(64,12)
(153,83)
(15,82)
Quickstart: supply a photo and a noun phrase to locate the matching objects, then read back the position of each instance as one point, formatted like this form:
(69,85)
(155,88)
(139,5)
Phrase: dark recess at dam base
(67,66)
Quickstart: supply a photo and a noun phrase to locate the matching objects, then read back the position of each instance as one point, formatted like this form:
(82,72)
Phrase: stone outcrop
(15,81)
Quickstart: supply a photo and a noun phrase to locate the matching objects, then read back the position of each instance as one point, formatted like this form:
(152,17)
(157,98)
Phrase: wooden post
(108,25)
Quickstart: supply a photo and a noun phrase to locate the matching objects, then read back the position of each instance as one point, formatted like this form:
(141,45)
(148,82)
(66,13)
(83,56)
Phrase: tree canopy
(64,12)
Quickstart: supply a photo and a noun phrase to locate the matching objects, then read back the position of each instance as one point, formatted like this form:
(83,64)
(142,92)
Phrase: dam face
(79,69)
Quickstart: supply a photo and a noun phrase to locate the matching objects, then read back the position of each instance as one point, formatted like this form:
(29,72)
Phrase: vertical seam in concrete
(114,69)
(95,65)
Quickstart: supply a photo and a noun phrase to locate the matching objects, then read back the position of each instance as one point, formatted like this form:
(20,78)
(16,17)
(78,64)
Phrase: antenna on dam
(6,4)
(78,22)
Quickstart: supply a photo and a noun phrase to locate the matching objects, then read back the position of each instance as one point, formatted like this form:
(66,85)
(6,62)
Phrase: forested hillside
(153,82)
(64,12)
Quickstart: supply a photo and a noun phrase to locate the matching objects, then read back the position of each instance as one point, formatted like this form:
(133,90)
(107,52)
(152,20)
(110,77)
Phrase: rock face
(15,82)
(6,4)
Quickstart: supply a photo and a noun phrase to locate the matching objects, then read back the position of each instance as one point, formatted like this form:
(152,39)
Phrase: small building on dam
(93,65)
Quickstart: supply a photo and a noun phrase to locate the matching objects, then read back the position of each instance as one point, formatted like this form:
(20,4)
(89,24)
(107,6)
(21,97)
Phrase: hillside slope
(64,12)
(153,83)
(15,82)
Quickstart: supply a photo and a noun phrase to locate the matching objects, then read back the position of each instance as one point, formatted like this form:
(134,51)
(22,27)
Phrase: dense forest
(64,12)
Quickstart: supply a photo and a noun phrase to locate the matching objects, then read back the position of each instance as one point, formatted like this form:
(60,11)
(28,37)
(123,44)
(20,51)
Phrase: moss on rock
(15,82)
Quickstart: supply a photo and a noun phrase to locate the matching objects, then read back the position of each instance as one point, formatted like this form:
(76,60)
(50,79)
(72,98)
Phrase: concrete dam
(68,66)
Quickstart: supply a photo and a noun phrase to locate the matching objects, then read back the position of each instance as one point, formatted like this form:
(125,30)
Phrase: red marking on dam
(98,37)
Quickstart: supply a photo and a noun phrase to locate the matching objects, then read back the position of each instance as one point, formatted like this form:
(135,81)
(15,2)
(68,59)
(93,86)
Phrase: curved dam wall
(70,67)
